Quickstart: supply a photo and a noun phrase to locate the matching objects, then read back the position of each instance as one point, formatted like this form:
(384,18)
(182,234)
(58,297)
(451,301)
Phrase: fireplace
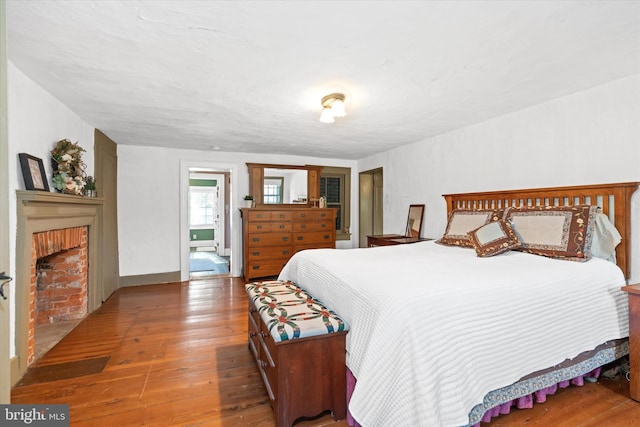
(58,285)
(57,241)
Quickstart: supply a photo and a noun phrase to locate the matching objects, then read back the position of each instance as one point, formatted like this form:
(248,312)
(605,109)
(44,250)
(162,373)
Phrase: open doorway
(370,197)
(208,212)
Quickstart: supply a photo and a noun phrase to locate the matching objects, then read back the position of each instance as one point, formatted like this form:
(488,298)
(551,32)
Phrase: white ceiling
(249,76)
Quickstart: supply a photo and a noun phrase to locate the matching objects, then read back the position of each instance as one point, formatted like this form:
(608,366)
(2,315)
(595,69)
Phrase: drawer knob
(264,334)
(285,252)
(281,226)
(252,334)
(323,215)
(256,267)
(253,310)
(281,215)
(259,227)
(285,238)
(300,238)
(256,239)
(263,364)
(303,225)
(326,236)
(255,253)
(259,215)
(303,215)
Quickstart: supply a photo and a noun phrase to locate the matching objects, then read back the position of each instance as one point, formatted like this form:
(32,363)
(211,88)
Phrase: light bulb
(326,116)
(337,108)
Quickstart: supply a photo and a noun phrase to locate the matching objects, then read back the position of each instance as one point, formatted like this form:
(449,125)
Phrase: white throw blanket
(434,328)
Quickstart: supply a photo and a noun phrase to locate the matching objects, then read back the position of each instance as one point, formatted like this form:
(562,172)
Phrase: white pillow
(605,238)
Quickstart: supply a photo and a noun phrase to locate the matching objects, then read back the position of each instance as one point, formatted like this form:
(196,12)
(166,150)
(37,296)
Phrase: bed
(440,336)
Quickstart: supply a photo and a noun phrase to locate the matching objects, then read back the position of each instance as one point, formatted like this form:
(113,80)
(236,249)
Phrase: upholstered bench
(299,347)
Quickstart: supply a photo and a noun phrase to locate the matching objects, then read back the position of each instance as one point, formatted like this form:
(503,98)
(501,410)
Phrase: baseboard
(150,279)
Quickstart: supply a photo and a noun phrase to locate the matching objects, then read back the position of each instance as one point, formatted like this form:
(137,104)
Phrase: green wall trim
(201,234)
(203,183)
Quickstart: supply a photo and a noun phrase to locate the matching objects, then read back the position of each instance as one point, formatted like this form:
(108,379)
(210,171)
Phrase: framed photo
(33,173)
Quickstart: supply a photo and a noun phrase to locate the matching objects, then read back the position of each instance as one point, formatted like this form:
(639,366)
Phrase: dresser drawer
(268,267)
(269,359)
(314,237)
(254,330)
(313,214)
(268,227)
(269,252)
(269,215)
(268,239)
(312,226)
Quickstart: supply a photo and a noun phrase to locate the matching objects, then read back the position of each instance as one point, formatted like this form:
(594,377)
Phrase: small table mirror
(412,230)
(414,221)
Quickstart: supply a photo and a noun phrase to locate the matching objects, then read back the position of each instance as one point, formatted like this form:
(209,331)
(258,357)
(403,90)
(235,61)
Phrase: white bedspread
(434,328)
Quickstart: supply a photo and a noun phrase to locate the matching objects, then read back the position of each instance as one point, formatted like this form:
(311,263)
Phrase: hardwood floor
(176,355)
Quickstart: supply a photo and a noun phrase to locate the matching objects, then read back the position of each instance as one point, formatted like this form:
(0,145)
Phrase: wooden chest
(271,236)
(304,376)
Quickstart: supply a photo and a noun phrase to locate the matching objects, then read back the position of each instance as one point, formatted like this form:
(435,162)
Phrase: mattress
(435,328)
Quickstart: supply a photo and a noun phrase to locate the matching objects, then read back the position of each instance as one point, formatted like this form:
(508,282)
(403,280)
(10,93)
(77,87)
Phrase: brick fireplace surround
(58,279)
(44,221)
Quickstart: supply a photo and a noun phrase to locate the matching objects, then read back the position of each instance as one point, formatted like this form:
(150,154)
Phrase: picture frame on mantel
(35,178)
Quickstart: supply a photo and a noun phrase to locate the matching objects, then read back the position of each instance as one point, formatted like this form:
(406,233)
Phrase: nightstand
(392,239)
(634,339)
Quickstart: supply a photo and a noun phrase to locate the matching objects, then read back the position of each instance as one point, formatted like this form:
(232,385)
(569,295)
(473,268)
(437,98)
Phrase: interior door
(366,208)
(106,174)
(5,374)
(218,227)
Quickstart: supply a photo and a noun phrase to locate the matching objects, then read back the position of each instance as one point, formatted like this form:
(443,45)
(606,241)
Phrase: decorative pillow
(554,231)
(494,238)
(605,238)
(462,221)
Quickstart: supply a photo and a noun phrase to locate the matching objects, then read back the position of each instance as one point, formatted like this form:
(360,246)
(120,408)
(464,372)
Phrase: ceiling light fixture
(332,106)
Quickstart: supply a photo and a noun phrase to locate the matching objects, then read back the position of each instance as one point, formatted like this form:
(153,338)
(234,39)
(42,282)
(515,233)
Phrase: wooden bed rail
(613,199)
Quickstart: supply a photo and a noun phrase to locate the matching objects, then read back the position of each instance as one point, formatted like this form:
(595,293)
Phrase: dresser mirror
(294,185)
(284,186)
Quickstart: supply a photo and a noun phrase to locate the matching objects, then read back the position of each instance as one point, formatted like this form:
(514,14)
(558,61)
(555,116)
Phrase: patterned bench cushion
(290,313)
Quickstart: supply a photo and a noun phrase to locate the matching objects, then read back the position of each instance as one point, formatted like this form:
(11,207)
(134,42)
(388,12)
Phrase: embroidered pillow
(494,238)
(555,231)
(462,221)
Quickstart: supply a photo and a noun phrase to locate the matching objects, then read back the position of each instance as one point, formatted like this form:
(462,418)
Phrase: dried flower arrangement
(68,168)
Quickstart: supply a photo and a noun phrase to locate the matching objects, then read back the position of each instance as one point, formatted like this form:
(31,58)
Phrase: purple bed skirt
(523,402)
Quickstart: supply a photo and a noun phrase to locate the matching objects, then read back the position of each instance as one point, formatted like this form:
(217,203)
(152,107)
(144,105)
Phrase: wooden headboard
(613,199)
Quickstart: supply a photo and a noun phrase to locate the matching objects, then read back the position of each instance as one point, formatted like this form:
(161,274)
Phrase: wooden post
(634,339)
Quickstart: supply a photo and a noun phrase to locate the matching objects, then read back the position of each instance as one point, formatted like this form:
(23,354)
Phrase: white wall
(149,202)
(36,122)
(589,137)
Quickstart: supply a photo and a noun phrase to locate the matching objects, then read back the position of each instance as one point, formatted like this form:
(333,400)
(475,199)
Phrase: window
(273,190)
(335,186)
(203,209)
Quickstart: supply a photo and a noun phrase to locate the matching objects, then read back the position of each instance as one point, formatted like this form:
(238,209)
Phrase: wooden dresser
(271,235)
